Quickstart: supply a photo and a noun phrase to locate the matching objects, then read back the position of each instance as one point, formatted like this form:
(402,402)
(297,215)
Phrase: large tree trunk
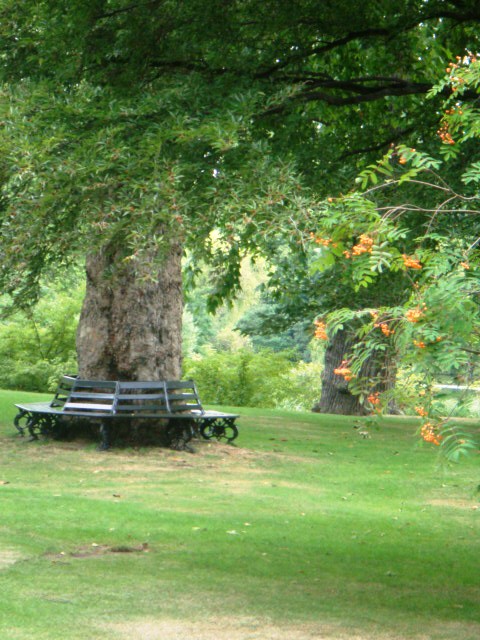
(336,396)
(130,325)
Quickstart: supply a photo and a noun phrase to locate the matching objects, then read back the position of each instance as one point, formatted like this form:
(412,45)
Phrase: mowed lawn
(302,530)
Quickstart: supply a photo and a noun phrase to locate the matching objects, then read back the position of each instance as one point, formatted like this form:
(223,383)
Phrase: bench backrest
(95,396)
(141,398)
(183,396)
(65,386)
(112,397)
(166,396)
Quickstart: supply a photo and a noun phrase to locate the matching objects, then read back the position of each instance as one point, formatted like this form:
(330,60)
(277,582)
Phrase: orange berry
(420,344)
(320,330)
(414,315)
(411,263)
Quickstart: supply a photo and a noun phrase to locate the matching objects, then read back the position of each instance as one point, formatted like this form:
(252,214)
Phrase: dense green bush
(263,379)
(38,346)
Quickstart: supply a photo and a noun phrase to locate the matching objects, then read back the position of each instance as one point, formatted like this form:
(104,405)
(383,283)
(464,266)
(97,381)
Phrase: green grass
(302,525)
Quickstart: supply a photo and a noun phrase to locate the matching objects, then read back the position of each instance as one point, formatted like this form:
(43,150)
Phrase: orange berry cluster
(320,330)
(364,245)
(444,134)
(429,433)
(344,371)
(465,60)
(411,263)
(465,265)
(421,412)
(326,242)
(456,80)
(374,398)
(403,159)
(414,315)
(420,344)
(384,328)
(453,111)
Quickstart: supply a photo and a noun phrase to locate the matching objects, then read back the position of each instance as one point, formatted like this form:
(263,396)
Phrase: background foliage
(256,379)
(37,344)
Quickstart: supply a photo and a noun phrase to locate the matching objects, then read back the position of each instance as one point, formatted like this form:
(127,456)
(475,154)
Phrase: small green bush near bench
(247,379)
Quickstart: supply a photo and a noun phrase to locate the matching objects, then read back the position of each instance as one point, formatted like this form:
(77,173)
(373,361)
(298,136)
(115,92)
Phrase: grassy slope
(302,522)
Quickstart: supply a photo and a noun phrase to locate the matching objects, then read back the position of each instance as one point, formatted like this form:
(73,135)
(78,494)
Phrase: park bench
(107,401)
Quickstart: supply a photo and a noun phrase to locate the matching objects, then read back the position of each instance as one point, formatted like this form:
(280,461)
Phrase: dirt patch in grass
(95,550)
(209,451)
(250,628)
(9,557)
(144,460)
(232,628)
(456,504)
(207,456)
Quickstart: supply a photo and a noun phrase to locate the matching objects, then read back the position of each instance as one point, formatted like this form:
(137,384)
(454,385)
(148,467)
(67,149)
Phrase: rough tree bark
(130,326)
(336,397)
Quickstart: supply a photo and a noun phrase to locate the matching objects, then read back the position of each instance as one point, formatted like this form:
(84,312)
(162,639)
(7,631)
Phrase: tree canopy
(128,122)
(143,129)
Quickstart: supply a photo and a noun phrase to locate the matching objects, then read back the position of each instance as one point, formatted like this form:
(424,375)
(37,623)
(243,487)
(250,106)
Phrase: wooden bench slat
(141,396)
(182,396)
(177,408)
(75,406)
(94,396)
(57,402)
(62,392)
(94,384)
(160,411)
(141,385)
(158,402)
(179,384)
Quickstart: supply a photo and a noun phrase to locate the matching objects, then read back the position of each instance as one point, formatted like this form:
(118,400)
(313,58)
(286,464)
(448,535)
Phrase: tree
(432,236)
(305,283)
(135,129)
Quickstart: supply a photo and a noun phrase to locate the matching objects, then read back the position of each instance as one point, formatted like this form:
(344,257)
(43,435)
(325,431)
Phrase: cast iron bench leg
(17,421)
(105,436)
(219,428)
(31,426)
(179,433)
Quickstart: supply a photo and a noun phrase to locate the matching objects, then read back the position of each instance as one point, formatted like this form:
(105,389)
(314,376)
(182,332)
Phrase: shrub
(262,379)
(38,346)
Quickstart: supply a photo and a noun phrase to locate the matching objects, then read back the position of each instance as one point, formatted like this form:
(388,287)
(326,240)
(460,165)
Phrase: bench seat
(173,401)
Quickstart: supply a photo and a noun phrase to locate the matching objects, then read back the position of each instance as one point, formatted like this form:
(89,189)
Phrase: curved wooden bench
(105,401)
